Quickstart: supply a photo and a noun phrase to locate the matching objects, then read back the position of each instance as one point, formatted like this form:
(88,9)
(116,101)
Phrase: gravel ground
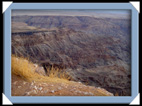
(20,87)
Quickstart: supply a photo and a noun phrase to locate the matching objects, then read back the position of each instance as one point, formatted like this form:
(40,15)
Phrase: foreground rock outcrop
(30,79)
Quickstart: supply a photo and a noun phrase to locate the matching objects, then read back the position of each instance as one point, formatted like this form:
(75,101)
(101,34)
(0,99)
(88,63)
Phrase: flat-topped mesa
(103,26)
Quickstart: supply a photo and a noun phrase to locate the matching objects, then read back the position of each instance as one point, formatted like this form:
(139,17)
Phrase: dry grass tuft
(116,94)
(55,72)
(22,67)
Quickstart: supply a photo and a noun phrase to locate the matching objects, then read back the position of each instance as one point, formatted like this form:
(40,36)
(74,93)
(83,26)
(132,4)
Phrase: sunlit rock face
(96,51)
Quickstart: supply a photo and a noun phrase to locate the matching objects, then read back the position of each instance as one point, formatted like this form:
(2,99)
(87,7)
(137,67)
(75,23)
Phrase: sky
(96,13)
(67,12)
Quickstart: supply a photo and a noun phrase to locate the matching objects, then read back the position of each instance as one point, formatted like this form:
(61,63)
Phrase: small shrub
(55,72)
(116,94)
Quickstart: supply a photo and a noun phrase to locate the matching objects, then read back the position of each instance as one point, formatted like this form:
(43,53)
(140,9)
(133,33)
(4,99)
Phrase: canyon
(95,51)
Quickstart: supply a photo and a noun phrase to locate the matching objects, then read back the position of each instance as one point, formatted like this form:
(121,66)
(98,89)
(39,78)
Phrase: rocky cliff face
(95,51)
(98,26)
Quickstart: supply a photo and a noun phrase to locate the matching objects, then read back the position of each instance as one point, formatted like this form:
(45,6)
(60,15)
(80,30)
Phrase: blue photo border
(71,99)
